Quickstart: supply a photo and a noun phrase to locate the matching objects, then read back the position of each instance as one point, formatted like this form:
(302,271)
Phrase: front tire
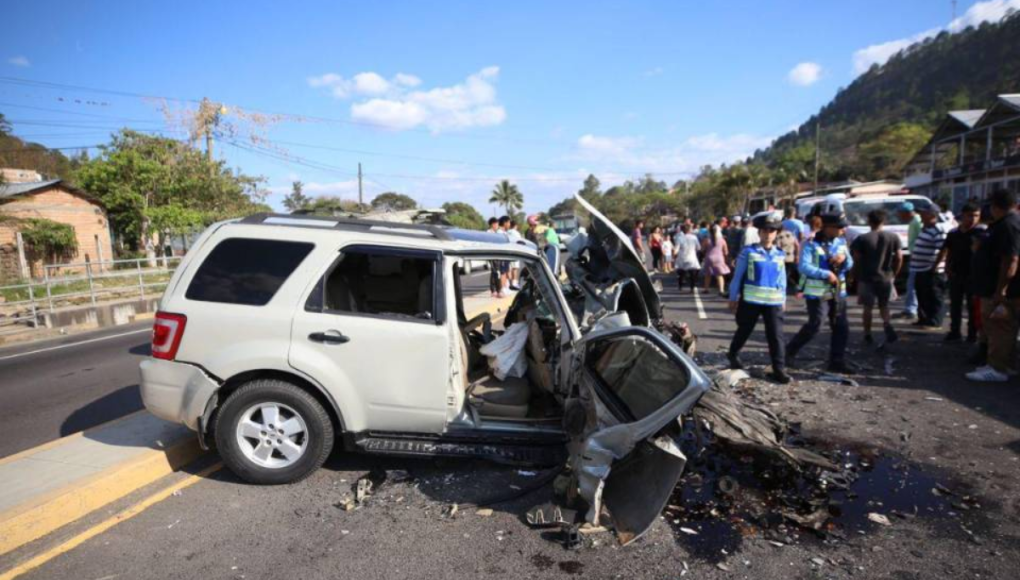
(271,432)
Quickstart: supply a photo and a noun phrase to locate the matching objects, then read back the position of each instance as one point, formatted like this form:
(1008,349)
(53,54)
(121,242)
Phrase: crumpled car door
(634,385)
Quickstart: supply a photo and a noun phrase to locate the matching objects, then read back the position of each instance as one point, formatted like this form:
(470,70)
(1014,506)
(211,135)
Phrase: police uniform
(821,296)
(759,284)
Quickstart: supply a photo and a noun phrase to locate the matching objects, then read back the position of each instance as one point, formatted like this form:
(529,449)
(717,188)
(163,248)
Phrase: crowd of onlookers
(709,250)
(972,257)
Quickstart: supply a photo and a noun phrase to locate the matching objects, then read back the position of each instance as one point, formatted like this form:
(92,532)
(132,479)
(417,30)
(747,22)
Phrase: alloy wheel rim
(272,435)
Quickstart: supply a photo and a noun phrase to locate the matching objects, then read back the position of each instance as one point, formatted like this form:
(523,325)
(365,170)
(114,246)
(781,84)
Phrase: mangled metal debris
(750,428)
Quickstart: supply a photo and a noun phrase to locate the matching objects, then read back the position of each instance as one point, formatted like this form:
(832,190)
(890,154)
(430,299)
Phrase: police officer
(758,290)
(824,262)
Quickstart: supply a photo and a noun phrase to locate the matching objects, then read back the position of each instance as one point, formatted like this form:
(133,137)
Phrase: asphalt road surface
(54,388)
(918,423)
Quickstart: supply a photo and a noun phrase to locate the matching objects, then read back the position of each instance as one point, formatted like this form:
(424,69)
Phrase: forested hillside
(872,125)
(17,153)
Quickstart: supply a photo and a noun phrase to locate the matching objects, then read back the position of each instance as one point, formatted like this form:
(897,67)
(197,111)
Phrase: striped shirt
(926,249)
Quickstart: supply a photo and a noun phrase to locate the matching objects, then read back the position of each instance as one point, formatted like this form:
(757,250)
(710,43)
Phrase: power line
(64,112)
(293,116)
(302,117)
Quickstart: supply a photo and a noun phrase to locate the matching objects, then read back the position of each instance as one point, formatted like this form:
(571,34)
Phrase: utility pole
(954,10)
(818,134)
(361,200)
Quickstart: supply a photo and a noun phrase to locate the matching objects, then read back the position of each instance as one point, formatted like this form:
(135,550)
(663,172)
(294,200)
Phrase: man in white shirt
(514,236)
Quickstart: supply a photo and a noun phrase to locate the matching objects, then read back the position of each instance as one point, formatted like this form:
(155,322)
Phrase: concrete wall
(100,315)
(60,205)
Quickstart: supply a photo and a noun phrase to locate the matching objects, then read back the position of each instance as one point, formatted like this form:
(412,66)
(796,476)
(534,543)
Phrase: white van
(857,209)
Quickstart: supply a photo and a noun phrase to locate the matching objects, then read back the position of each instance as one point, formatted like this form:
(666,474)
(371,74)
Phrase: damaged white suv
(279,334)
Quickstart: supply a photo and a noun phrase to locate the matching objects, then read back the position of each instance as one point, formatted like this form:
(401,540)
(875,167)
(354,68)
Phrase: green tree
(648,184)
(137,173)
(507,195)
(463,215)
(392,201)
(886,154)
(330,205)
(52,241)
(296,199)
(591,189)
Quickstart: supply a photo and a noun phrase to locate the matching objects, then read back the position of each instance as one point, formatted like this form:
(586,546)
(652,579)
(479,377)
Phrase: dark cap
(834,219)
(768,221)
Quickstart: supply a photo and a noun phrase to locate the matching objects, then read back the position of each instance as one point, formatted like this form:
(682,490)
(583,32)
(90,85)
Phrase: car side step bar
(540,455)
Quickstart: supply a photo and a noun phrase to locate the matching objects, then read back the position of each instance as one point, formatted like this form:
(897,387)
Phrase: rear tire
(271,432)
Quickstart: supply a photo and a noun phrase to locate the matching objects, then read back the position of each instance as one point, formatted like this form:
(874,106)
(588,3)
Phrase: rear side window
(381,283)
(246,271)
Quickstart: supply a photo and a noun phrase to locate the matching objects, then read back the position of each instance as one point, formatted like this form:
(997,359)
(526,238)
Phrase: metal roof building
(971,154)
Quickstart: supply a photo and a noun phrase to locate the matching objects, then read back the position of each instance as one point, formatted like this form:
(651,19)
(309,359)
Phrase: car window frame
(439,309)
(608,397)
(563,312)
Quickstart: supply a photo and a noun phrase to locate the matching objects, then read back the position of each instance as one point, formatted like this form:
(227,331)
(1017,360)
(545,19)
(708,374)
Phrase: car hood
(611,258)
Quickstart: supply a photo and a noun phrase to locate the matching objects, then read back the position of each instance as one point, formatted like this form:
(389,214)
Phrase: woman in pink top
(716,253)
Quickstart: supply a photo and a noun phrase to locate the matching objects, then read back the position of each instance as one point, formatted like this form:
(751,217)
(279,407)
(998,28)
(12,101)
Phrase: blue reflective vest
(760,276)
(815,267)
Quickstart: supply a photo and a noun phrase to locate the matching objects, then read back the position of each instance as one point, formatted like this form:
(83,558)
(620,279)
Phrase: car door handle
(329,337)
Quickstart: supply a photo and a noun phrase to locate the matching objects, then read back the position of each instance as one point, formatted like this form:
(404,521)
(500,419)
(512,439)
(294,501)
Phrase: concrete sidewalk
(57,483)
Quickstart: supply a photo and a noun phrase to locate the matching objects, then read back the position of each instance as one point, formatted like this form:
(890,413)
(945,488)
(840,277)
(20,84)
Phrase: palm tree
(507,195)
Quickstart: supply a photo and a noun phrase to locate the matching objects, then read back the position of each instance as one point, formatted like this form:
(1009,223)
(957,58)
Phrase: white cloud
(603,145)
(471,103)
(687,156)
(654,72)
(19,60)
(390,114)
(406,80)
(363,84)
(370,83)
(988,11)
(880,53)
(805,74)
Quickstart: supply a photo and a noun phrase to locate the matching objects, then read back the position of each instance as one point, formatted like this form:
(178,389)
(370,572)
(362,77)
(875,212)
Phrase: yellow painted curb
(51,511)
(94,531)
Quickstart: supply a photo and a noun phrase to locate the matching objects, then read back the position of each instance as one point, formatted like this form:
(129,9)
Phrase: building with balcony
(971,154)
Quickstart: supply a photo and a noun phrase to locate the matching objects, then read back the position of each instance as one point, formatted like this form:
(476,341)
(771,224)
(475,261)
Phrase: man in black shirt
(1000,287)
(957,253)
(878,257)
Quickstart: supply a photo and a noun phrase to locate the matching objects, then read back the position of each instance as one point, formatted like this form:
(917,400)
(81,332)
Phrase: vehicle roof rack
(347,224)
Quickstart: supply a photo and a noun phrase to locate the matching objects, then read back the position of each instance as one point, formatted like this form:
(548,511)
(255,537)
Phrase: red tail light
(167,331)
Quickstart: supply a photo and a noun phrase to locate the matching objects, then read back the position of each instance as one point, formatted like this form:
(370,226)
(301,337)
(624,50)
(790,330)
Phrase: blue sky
(440,99)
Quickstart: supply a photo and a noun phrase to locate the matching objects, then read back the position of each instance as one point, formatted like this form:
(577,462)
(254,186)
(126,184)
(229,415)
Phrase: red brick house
(55,200)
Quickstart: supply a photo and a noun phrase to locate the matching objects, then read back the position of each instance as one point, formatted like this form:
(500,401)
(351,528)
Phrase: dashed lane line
(701,307)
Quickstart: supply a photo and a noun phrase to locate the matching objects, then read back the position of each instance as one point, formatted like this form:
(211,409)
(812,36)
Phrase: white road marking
(701,307)
(62,346)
